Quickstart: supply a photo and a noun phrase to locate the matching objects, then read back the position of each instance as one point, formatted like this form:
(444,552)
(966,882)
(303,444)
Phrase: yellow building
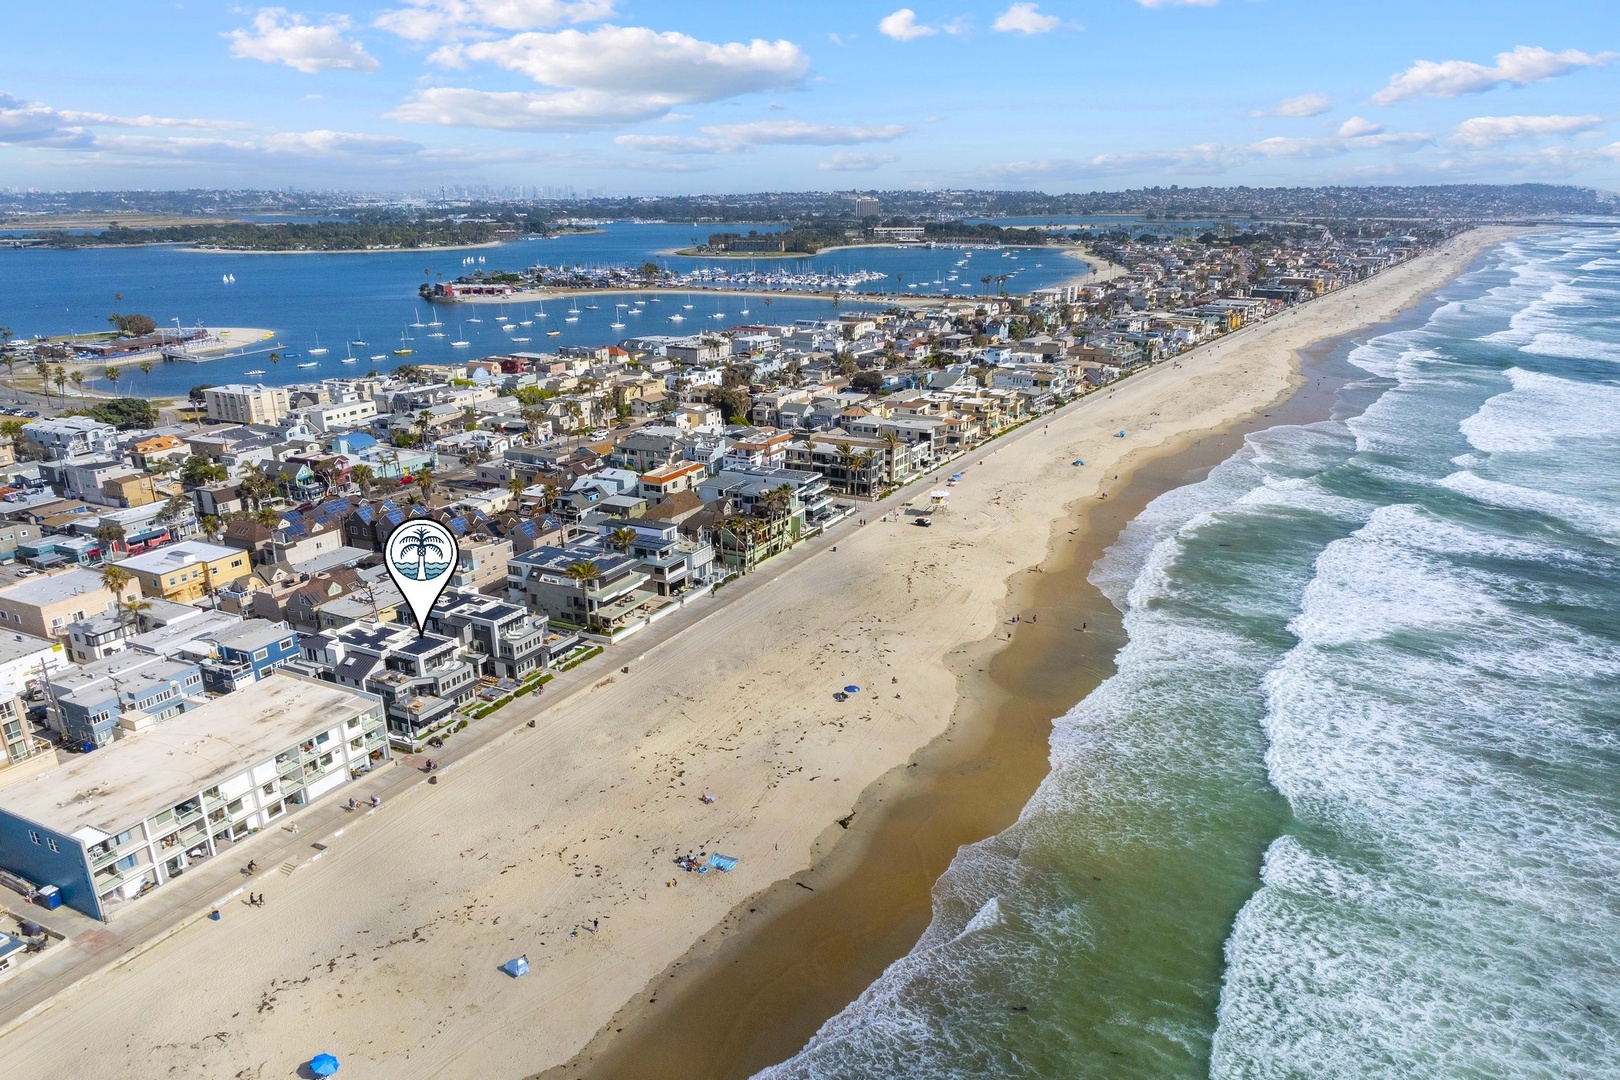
(187,571)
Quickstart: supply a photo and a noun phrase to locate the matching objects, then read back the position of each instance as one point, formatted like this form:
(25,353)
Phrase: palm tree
(418,544)
(210,525)
(425,483)
(77,378)
(776,502)
(583,572)
(108,535)
(267,517)
(363,476)
(146,367)
(9,359)
(275,358)
(115,579)
(59,377)
(255,486)
(131,607)
(110,373)
(621,539)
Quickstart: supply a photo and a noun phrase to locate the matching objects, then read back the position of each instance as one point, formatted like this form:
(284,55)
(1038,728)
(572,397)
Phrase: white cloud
(1177,3)
(570,110)
(1451,78)
(608,77)
(1482,131)
(1358,127)
(636,60)
(676,144)
(1025,19)
(851,161)
(1298,107)
(436,20)
(902,25)
(799,132)
(280,37)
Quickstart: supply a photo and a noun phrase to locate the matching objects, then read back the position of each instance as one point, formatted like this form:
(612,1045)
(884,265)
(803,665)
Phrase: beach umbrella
(323,1064)
(852,689)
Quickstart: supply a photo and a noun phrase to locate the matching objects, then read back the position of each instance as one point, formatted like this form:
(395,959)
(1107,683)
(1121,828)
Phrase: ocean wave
(1541,411)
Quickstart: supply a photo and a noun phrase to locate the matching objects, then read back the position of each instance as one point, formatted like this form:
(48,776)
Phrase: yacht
(553,333)
(677,317)
(379,356)
(520,339)
(312,363)
(318,350)
(255,371)
(462,344)
(418,321)
(357,343)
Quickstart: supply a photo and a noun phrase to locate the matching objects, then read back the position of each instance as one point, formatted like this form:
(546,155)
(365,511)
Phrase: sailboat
(351,358)
(573,307)
(474,318)
(617,323)
(744,311)
(590,307)
(677,317)
(404,349)
(434,321)
(318,350)
(687,306)
(553,333)
(418,321)
(312,363)
(357,342)
(541,313)
(463,343)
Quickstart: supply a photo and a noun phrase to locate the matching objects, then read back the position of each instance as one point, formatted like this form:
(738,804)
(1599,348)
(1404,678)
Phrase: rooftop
(48,590)
(178,556)
(142,774)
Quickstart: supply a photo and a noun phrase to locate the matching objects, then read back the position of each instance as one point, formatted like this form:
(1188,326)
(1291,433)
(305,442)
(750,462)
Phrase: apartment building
(107,828)
(246,403)
(187,571)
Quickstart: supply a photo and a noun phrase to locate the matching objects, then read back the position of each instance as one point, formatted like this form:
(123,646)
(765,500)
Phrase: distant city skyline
(624,98)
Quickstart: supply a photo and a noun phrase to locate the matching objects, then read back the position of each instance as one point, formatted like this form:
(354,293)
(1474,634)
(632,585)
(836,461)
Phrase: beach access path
(557,841)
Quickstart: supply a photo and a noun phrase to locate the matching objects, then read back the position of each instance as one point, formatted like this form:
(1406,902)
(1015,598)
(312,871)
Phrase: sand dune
(559,842)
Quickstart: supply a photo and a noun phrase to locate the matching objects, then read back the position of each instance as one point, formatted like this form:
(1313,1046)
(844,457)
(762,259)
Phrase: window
(34,836)
(51,844)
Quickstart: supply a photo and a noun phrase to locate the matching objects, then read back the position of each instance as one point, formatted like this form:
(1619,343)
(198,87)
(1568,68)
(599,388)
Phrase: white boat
(460,344)
(744,311)
(435,320)
(677,318)
(312,363)
(379,356)
(572,318)
(357,342)
(590,307)
(435,333)
(255,371)
(526,322)
(616,325)
(520,339)
(573,309)
(318,350)
(418,321)
(553,333)
(351,357)
(474,318)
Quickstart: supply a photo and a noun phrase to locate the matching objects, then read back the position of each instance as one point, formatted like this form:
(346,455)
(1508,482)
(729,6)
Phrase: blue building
(244,654)
(107,828)
(131,688)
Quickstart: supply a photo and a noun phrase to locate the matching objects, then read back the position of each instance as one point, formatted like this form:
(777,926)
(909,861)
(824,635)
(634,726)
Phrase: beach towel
(723,862)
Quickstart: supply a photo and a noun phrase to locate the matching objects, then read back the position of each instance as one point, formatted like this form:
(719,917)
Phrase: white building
(106,827)
(245,403)
(70,436)
(340,416)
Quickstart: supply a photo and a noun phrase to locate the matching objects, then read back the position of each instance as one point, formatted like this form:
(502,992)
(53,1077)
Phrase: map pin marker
(420,556)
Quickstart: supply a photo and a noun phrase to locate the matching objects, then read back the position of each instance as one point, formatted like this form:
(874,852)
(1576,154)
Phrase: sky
(674,97)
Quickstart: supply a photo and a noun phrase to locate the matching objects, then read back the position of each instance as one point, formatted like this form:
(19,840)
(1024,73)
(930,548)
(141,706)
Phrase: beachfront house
(582,584)
(108,827)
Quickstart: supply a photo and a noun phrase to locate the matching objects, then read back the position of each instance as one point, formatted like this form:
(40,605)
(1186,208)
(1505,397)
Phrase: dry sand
(558,843)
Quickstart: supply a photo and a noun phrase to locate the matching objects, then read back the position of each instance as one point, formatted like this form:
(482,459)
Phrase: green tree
(109,535)
(582,572)
(197,471)
(621,540)
(364,477)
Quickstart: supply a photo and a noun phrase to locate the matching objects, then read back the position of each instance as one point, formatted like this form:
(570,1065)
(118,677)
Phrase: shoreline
(754,999)
(574,825)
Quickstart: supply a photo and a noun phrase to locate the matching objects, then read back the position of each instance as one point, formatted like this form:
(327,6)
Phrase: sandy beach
(558,841)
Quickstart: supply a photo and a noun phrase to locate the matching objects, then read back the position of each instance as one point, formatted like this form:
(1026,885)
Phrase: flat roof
(53,588)
(15,646)
(149,771)
(175,556)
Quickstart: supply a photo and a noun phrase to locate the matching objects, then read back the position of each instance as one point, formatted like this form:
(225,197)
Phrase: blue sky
(632,97)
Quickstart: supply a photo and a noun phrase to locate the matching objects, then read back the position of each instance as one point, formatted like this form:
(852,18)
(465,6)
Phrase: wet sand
(795,957)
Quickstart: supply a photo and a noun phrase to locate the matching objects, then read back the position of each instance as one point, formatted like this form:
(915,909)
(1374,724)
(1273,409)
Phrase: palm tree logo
(420,542)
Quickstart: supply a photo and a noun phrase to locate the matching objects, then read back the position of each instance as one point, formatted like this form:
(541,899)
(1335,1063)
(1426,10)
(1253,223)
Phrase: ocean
(327,300)
(1350,806)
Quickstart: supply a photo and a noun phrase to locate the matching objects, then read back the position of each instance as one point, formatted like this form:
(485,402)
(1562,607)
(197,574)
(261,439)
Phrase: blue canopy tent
(516,967)
(323,1064)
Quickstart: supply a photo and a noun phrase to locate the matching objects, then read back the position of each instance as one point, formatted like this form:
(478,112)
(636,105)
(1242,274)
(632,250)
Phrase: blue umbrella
(852,689)
(323,1064)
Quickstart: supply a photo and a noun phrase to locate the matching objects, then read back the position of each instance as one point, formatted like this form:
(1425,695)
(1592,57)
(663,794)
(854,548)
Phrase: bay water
(1350,806)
